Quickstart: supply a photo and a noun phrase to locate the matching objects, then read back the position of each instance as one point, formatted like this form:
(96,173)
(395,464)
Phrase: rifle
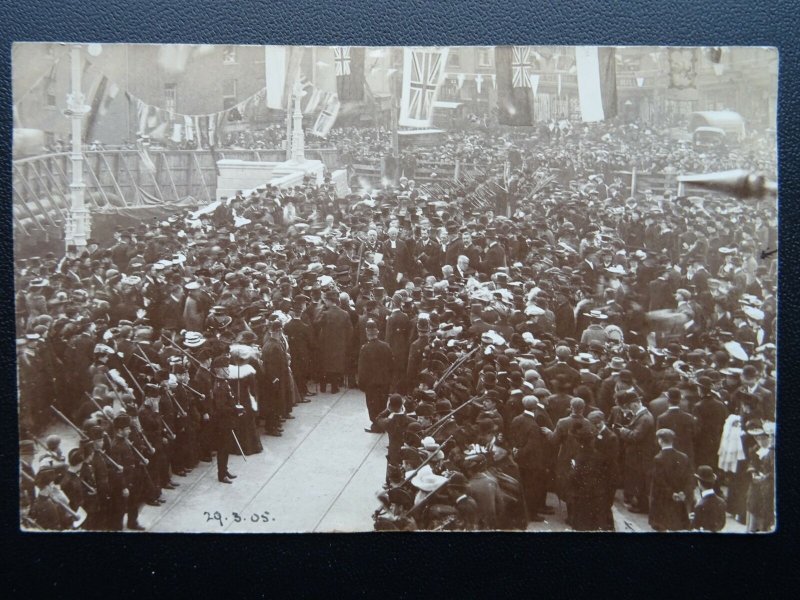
(452,368)
(189,356)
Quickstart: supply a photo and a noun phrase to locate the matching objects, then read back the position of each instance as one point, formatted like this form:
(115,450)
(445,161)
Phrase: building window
(450,90)
(454,58)
(229,55)
(229,93)
(484,57)
(170,97)
(49,139)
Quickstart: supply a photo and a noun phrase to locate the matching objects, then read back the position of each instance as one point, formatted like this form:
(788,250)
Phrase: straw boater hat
(596,314)
(193,339)
(585,358)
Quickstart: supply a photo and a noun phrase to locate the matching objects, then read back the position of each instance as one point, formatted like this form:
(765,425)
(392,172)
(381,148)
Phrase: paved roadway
(322,475)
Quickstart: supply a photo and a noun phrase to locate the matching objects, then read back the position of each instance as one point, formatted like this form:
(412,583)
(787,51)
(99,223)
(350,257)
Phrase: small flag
(521,66)
(327,117)
(597,82)
(111,95)
(423,71)
(97,101)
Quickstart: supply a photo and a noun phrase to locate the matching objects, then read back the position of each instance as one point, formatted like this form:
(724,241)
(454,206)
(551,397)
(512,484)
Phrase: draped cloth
(731,450)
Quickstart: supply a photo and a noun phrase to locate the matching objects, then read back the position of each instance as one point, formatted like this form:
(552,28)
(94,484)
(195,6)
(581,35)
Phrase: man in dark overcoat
(334,332)
(672,486)
(375,368)
(301,343)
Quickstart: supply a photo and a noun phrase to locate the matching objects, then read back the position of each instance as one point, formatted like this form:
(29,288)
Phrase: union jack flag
(422,75)
(341,55)
(521,66)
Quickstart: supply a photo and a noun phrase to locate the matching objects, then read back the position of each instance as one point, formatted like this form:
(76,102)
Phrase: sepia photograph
(330,289)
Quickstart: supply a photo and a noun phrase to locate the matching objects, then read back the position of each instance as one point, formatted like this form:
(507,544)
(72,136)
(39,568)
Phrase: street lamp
(78,225)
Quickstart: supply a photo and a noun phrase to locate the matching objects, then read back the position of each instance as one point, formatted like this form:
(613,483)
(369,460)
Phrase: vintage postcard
(344,289)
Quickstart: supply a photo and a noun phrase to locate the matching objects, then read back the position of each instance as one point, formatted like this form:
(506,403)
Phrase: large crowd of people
(534,328)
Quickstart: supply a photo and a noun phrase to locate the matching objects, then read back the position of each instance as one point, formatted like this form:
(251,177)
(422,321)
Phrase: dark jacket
(683,425)
(375,364)
(527,437)
(709,513)
(334,334)
(671,474)
(394,425)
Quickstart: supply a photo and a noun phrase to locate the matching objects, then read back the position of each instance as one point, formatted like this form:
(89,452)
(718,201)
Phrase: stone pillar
(78,225)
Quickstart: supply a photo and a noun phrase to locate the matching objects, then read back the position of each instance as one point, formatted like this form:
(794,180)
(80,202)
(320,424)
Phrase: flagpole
(395,119)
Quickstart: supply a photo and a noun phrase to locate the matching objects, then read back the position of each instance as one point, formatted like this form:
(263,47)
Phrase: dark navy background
(499,565)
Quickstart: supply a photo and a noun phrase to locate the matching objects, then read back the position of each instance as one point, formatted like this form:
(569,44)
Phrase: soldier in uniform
(375,368)
(225,414)
(126,487)
(71,483)
(95,471)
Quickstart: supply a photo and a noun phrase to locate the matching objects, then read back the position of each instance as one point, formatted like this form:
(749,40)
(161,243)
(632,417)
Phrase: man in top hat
(334,333)
(375,371)
(709,512)
(300,336)
(672,486)
(275,393)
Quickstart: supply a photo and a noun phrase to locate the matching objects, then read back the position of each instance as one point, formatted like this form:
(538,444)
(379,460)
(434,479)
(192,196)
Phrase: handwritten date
(234,517)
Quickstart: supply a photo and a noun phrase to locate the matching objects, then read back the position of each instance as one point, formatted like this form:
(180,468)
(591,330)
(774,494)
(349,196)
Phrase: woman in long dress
(241,378)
